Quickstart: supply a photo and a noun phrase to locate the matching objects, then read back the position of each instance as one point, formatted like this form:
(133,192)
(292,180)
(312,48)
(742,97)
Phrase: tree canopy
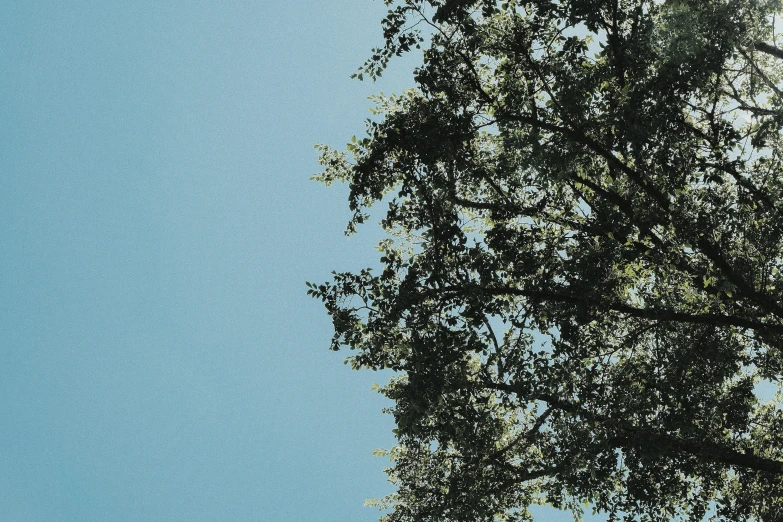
(581,285)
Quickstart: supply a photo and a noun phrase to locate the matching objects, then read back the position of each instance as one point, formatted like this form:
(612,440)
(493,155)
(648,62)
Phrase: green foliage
(582,282)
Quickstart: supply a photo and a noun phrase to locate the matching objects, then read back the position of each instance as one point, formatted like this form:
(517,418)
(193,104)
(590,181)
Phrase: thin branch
(761,73)
(525,436)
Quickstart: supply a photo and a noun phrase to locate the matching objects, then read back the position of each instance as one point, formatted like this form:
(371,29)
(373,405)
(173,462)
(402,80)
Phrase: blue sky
(159,359)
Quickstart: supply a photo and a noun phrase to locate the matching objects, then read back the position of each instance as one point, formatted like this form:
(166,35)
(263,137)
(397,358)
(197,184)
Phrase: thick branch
(656,314)
(769,49)
(626,435)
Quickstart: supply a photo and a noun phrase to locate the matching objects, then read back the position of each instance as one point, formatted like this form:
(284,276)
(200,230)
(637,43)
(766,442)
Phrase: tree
(581,283)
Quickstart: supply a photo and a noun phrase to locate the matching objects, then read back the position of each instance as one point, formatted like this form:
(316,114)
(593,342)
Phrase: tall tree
(581,286)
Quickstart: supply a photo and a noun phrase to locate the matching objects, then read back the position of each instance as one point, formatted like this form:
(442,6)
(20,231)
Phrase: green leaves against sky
(581,287)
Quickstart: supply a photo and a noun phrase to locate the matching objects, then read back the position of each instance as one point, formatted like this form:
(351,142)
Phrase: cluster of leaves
(581,288)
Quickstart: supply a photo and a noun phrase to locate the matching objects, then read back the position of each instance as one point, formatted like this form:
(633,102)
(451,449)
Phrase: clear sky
(159,359)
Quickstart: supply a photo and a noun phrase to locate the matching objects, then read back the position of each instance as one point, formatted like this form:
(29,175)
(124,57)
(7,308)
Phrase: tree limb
(626,435)
(769,49)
